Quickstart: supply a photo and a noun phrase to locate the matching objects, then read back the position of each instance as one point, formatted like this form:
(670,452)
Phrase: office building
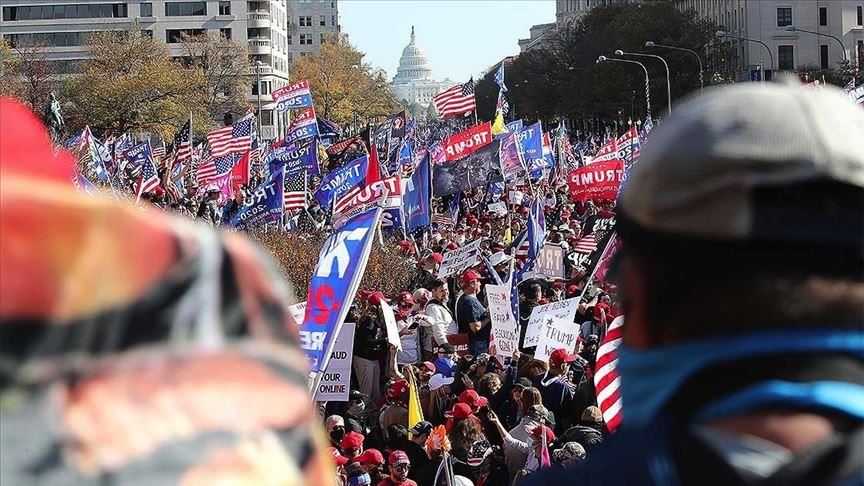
(308,22)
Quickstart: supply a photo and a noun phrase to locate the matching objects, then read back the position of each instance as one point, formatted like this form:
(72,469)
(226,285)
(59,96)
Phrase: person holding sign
(471,316)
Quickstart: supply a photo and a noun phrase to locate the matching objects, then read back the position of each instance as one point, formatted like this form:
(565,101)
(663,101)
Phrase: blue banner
(296,157)
(339,181)
(415,201)
(405,160)
(531,144)
(138,154)
(264,205)
(335,280)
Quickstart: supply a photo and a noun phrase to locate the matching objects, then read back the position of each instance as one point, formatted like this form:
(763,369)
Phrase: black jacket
(370,338)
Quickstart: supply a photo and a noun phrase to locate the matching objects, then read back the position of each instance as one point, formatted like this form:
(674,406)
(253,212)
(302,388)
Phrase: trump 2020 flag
(264,205)
(294,157)
(338,182)
(533,240)
(335,280)
(415,202)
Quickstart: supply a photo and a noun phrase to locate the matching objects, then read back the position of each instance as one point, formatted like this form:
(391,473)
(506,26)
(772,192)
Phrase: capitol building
(413,82)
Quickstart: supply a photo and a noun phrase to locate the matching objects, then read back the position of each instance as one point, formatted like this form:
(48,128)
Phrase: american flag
(606,379)
(231,140)
(294,191)
(183,144)
(457,100)
(586,244)
(148,180)
(214,168)
(159,151)
(442,220)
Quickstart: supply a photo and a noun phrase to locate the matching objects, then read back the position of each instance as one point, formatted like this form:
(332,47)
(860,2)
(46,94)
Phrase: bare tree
(225,67)
(28,73)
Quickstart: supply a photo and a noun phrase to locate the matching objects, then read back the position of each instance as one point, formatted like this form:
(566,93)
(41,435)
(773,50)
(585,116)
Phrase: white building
(308,21)
(63,27)
(565,11)
(768,20)
(413,82)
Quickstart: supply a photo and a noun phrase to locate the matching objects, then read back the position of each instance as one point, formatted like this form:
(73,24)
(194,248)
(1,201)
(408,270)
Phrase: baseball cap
(405,298)
(768,169)
(592,414)
(359,478)
(538,431)
(459,411)
(421,428)
(371,456)
(561,356)
(437,257)
(352,440)
(438,380)
(375,298)
(446,348)
(428,366)
(473,399)
(338,458)
(468,277)
(398,457)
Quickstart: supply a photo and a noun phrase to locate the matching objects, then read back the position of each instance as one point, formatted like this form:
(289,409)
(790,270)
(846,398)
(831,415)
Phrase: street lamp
(792,28)
(258,89)
(722,34)
(619,52)
(647,82)
(691,51)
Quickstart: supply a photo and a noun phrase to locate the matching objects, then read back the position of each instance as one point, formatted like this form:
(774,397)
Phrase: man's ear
(638,331)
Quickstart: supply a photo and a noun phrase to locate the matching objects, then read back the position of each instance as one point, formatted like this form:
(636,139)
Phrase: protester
(335,430)
(399,464)
(372,461)
(352,445)
(370,341)
(440,323)
(471,317)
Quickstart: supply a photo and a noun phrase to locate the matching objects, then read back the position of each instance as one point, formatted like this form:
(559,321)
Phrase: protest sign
(390,325)
(542,315)
(467,141)
(498,207)
(551,262)
(516,197)
(459,342)
(559,333)
(504,328)
(598,181)
(335,383)
(459,259)
(297,311)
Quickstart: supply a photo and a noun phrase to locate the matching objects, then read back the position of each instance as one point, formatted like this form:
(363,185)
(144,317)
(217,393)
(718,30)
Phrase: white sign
(459,259)
(560,333)
(498,208)
(336,381)
(504,327)
(298,312)
(390,325)
(516,197)
(542,315)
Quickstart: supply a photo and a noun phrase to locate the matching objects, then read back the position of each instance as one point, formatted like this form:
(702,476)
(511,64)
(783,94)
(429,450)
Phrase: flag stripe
(607,381)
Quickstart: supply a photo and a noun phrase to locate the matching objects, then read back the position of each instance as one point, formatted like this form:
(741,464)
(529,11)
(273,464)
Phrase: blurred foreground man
(137,348)
(742,265)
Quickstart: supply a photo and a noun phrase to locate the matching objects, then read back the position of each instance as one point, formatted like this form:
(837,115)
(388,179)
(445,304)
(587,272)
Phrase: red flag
(373,172)
(240,172)
(606,378)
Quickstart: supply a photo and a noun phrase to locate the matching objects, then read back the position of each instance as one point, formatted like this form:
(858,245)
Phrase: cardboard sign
(516,197)
(551,262)
(459,342)
(498,207)
(542,315)
(504,327)
(390,325)
(459,259)
(298,311)
(559,333)
(336,382)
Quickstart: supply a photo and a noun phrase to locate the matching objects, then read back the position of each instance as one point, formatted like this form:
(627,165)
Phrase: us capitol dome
(413,82)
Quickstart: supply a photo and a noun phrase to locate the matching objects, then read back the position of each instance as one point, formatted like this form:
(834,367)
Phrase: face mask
(337,434)
(357,410)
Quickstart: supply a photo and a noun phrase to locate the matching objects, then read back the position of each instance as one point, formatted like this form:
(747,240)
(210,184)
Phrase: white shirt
(441,324)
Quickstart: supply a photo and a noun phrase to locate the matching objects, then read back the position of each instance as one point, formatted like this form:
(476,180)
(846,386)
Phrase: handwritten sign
(459,259)
(336,382)
(504,327)
(390,325)
(542,315)
(560,333)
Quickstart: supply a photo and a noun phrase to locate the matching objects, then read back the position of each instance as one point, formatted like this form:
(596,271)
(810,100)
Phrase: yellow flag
(508,236)
(498,126)
(415,412)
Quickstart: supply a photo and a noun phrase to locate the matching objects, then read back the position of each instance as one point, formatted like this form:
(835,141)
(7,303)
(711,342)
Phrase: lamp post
(722,34)
(792,28)
(647,82)
(691,51)
(258,89)
(619,52)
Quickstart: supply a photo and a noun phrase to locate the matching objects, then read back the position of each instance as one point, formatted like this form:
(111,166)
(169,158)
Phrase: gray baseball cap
(763,163)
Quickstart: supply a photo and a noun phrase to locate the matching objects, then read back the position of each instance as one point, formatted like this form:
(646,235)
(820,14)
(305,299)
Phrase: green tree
(342,84)
(130,82)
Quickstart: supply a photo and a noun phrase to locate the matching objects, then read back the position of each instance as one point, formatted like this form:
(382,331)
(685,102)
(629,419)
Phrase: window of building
(54,39)
(305,39)
(224,8)
(290,39)
(333,20)
(823,16)
(305,21)
(861,53)
(321,39)
(225,33)
(784,16)
(322,20)
(184,9)
(267,117)
(147,9)
(173,36)
(52,12)
(823,56)
(860,12)
(786,58)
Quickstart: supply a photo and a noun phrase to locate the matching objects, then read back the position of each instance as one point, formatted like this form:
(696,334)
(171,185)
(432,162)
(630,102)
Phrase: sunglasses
(401,467)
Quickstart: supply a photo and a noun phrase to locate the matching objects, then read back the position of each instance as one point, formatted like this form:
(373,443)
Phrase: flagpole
(594,271)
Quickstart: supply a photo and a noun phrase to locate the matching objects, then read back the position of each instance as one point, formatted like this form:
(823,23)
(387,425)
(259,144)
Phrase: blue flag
(415,202)
(534,237)
(405,159)
(531,143)
(499,77)
(338,182)
(138,154)
(296,157)
(264,205)
(335,280)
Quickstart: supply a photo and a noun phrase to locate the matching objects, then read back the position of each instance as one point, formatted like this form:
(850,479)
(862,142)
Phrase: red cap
(352,440)
(452,245)
(572,288)
(468,277)
(428,366)
(604,307)
(471,398)
(405,298)
(559,285)
(460,411)
(437,257)
(540,429)
(398,457)
(375,298)
(561,356)
(397,389)
(371,456)
(339,459)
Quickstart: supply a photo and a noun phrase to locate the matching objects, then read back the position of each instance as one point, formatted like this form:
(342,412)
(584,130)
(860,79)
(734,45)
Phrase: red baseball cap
(352,440)
(452,245)
(398,389)
(375,298)
(405,298)
(338,458)
(398,457)
(559,285)
(468,277)
(561,356)
(437,257)
(459,411)
(428,366)
(541,429)
(604,307)
(371,456)
(473,399)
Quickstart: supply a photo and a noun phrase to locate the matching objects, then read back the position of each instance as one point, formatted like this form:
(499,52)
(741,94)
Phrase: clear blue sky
(460,37)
